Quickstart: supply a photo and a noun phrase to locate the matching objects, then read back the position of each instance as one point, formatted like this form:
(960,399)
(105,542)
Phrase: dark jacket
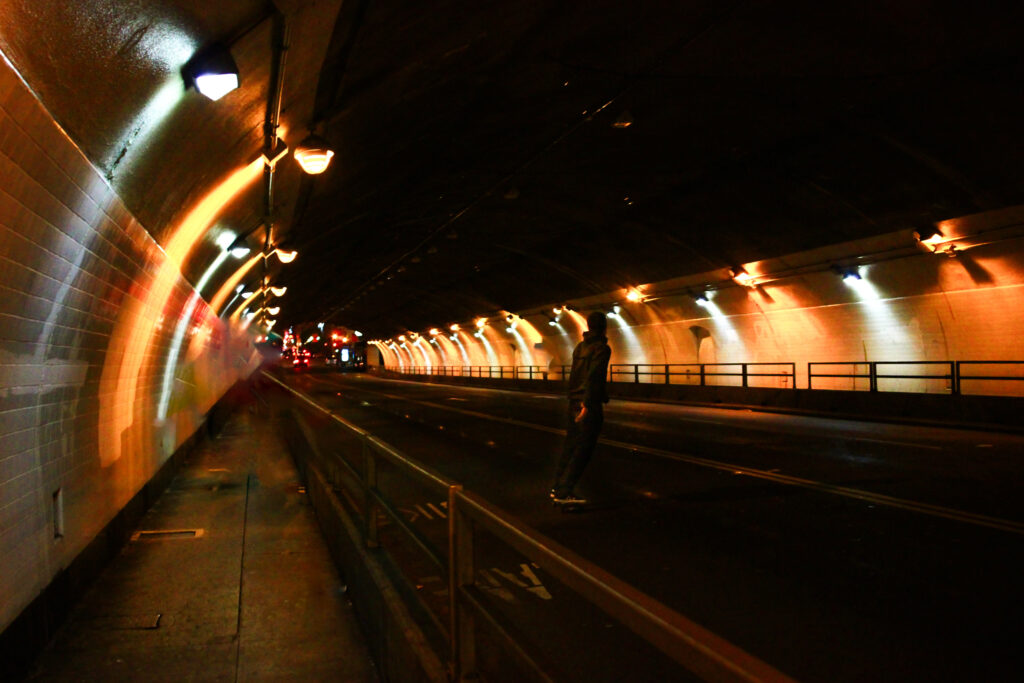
(589,370)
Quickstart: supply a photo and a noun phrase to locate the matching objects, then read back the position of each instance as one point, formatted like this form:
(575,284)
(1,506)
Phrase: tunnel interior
(709,173)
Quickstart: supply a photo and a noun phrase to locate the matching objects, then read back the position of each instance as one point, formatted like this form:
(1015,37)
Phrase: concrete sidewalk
(245,590)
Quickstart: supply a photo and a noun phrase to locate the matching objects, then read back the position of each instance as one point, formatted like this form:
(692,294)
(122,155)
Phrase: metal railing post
(461,572)
(872,377)
(954,377)
(702,374)
(666,374)
(744,370)
(369,501)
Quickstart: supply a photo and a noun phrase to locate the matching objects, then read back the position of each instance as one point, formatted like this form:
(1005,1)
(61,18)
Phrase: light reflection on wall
(131,342)
(228,288)
(882,319)
(481,335)
(419,346)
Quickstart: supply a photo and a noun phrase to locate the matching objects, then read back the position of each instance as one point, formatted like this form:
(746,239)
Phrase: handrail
(699,650)
(874,372)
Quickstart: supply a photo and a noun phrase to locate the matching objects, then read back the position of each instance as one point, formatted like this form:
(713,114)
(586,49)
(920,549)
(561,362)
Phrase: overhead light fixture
(480,322)
(246,295)
(212,71)
(557,310)
(286,256)
(702,299)
(358,333)
(314,154)
(851,275)
(274,310)
(278,291)
(509,318)
(634,295)
(741,276)
(625,120)
(434,331)
(454,327)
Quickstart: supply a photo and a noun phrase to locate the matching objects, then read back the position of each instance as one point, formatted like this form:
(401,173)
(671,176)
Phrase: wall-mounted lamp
(850,275)
(358,333)
(454,327)
(742,277)
(434,331)
(314,154)
(274,310)
(480,322)
(212,72)
(634,295)
(702,299)
(286,256)
(246,295)
(278,291)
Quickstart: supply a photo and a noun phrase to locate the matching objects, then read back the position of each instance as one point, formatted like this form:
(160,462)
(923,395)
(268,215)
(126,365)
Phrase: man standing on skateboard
(587,396)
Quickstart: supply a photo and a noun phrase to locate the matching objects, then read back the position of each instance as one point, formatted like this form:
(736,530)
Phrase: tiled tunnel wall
(108,357)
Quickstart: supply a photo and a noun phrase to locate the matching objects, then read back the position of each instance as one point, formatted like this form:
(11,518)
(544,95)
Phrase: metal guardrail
(952,372)
(694,647)
(700,372)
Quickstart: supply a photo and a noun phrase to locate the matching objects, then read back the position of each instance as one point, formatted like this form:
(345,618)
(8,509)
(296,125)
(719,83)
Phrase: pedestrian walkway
(241,589)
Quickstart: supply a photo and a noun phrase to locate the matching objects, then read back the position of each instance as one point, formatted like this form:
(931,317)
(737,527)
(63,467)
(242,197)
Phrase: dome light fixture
(314,154)
(212,71)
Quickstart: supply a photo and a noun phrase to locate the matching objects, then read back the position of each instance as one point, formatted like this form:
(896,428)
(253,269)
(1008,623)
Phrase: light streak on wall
(228,288)
(631,350)
(882,319)
(481,334)
(184,321)
(462,349)
(131,342)
(722,322)
(418,345)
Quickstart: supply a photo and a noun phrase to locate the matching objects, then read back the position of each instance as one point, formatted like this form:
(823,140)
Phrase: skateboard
(577,505)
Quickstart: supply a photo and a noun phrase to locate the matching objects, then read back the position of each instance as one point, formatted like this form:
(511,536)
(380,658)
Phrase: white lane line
(905,444)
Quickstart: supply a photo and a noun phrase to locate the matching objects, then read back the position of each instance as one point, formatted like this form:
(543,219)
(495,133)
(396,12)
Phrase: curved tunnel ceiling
(506,155)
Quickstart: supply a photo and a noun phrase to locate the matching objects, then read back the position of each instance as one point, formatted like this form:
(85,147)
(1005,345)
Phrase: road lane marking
(963,516)
(419,508)
(898,443)
(436,511)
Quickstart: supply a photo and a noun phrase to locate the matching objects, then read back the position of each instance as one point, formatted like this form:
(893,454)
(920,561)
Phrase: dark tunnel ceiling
(478,166)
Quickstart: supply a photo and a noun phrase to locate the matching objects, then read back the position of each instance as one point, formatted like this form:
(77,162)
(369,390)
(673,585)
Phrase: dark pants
(580,441)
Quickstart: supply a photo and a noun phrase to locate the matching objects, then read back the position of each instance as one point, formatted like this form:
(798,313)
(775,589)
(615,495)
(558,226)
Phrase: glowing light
(434,331)
(278,291)
(358,333)
(401,338)
(557,310)
(703,301)
(286,256)
(454,328)
(314,155)
(246,295)
(633,295)
(216,86)
(241,251)
(742,277)
(274,310)
(480,322)
(851,277)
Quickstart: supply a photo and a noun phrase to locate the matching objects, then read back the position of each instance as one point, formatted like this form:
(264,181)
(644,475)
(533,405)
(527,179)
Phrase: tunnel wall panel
(919,307)
(108,358)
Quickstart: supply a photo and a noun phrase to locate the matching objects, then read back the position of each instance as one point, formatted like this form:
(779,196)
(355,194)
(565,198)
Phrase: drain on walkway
(167,534)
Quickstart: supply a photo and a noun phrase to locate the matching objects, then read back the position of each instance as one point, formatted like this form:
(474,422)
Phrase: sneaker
(570,499)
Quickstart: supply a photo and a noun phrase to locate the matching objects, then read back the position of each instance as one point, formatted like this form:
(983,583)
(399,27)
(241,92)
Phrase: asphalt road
(834,550)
